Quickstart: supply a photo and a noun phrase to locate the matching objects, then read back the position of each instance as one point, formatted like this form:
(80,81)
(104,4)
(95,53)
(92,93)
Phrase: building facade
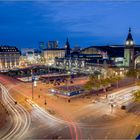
(30,57)
(127,56)
(50,54)
(9,57)
(53,52)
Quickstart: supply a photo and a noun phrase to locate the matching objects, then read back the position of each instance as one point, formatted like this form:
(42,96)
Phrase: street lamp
(67,79)
(33,79)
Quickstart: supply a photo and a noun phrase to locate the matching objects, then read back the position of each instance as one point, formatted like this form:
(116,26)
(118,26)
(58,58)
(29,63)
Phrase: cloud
(79,15)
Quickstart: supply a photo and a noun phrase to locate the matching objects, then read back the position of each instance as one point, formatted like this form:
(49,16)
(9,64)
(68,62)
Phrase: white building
(50,54)
(9,57)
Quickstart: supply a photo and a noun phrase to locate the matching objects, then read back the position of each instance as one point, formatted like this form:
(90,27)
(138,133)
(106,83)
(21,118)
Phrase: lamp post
(116,74)
(33,79)
(68,79)
(32,89)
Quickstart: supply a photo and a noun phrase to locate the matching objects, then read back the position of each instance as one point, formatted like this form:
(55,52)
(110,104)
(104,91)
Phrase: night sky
(84,22)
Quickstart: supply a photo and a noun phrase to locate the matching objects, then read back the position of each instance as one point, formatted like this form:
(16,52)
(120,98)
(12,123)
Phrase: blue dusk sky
(84,22)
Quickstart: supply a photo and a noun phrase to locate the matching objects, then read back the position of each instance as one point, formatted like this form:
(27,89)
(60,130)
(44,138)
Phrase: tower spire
(129,29)
(129,36)
(67,53)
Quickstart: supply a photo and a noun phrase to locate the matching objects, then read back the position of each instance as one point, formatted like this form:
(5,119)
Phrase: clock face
(129,43)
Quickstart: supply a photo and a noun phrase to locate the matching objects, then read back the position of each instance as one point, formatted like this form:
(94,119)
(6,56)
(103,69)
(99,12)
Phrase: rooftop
(6,48)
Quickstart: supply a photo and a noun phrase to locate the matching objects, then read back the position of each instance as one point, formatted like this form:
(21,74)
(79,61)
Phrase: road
(97,121)
(123,97)
(23,128)
(50,125)
(92,120)
(20,118)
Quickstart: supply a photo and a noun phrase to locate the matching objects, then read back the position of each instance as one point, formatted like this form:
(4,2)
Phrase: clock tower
(129,51)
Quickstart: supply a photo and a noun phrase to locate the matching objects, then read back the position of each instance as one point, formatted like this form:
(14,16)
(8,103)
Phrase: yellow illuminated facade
(50,55)
(9,57)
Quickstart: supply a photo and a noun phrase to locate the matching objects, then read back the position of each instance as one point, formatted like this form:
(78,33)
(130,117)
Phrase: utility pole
(32,89)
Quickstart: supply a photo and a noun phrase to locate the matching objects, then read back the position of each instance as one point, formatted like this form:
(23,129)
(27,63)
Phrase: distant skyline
(88,22)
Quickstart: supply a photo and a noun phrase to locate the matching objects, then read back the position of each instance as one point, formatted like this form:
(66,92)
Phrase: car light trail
(21,118)
(44,115)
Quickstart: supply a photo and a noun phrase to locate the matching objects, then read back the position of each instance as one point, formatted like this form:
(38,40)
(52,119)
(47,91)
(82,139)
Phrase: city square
(57,89)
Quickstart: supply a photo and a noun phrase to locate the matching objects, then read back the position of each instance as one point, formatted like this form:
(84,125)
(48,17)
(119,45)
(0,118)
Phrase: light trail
(21,118)
(43,115)
(46,117)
